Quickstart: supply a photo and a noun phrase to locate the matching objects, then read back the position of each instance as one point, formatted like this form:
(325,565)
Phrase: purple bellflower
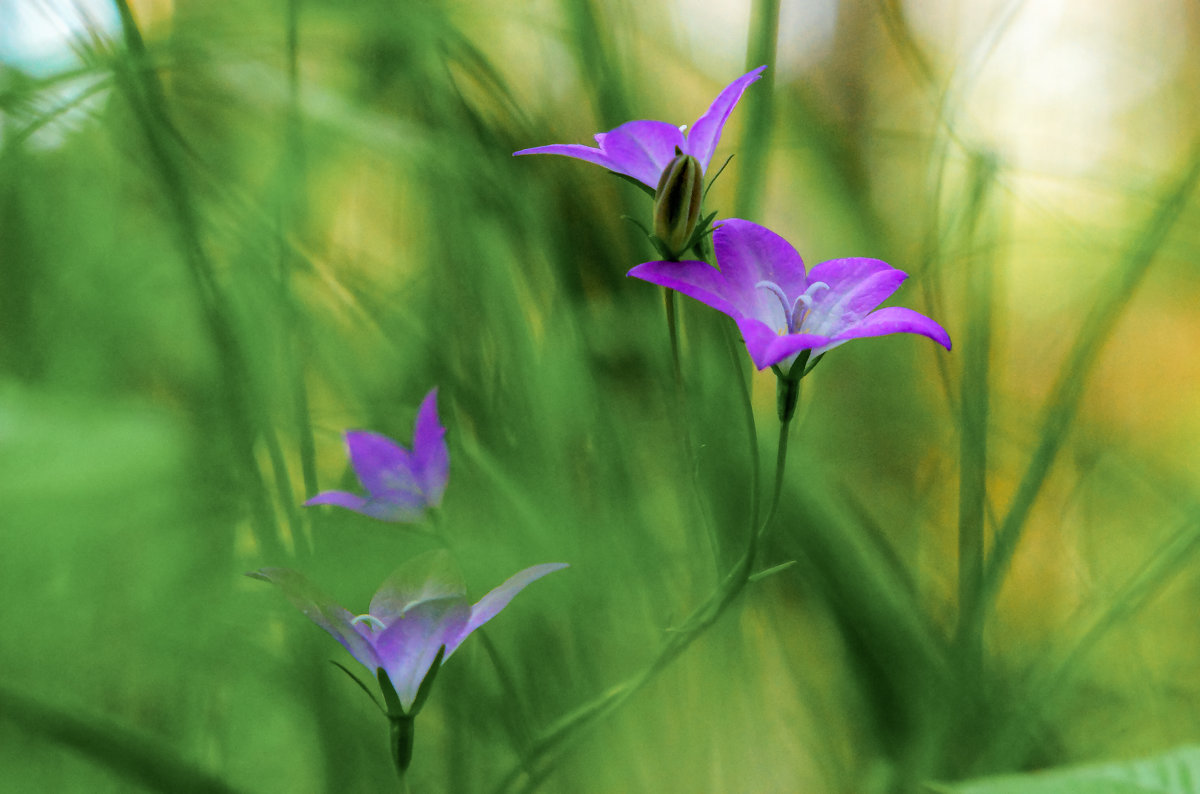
(421,609)
(642,150)
(780,310)
(400,484)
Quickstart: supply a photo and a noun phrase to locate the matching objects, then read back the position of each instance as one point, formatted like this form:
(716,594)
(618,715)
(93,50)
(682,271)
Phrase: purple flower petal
(698,280)
(703,136)
(781,312)
(383,466)
(856,287)
(641,149)
(431,459)
(491,604)
(428,577)
(892,320)
(323,611)
(766,347)
(749,254)
(397,506)
(409,644)
(577,150)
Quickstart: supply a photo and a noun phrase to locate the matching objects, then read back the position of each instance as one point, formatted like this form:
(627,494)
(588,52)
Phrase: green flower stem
(737,357)
(673,333)
(534,767)
(403,731)
(780,463)
(682,426)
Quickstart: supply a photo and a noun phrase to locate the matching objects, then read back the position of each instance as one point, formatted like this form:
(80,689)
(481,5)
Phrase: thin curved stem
(683,432)
(558,734)
(751,428)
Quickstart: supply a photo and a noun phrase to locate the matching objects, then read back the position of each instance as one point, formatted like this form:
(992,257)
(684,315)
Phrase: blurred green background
(230,231)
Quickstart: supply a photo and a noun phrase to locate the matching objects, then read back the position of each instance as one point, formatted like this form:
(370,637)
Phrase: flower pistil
(792,313)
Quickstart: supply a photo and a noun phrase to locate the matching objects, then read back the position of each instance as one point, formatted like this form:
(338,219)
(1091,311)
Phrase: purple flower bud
(677,202)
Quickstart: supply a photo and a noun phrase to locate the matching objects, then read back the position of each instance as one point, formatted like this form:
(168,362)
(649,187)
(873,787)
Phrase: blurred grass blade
(144,93)
(975,347)
(135,756)
(760,108)
(1068,390)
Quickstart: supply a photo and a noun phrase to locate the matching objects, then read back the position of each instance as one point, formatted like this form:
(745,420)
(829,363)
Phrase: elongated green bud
(677,202)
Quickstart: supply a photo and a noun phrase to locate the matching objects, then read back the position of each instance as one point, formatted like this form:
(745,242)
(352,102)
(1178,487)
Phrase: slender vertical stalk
(780,464)
(293,209)
(973,423)
(683,429)
(737,357)
(764,33)
(673,333)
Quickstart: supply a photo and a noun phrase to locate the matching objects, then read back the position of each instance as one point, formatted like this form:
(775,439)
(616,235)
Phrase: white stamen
(796,318)
(813,287)
(683,128)
(375,622)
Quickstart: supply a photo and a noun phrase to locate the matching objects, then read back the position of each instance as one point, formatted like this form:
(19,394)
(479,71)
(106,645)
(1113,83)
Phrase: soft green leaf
(1176,772)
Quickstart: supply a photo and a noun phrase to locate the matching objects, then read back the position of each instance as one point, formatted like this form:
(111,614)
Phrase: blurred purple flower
(418,610)
(781,311)
(400,484)
(643,149)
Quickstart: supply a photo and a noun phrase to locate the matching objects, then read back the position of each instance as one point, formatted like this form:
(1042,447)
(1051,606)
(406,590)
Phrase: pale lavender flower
(421,608)
(400,484)
(643,149)
(782,311)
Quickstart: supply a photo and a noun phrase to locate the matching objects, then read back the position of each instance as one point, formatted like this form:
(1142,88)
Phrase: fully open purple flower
(422,607)
(400,484)
(782,311)
(643,149)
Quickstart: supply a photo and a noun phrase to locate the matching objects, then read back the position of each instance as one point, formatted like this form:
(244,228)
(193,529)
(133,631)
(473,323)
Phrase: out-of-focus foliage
(231,231)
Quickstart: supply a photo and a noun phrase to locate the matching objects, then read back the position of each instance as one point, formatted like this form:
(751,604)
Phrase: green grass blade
(138,757)
(759,108)
(1064,400)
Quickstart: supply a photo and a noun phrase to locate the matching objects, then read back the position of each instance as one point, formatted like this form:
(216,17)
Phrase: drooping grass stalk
(540,757)
(1063,403)
(140,84)
(142,759)
(760,108)
(975,347)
